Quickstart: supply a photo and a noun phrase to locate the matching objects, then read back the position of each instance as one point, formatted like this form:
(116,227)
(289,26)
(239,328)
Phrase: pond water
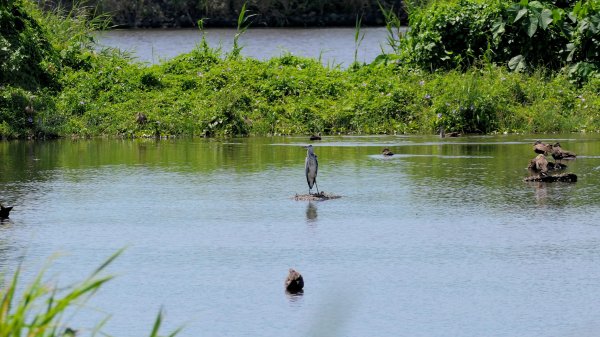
(334,46)
(442,239)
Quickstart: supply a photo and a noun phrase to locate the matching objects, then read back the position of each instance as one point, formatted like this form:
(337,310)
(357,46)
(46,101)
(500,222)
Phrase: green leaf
(520,14)
(536,4)
(517,63)
(545,18)
(498,27)
(571,48)
(533,26)
(572,17)
(576,10)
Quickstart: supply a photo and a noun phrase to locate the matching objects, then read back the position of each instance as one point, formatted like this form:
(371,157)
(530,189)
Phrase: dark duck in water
(541,148)
(386,152)
(559,154)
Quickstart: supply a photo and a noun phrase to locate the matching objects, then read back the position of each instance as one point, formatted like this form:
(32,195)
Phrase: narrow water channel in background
(333,46)
(442,239)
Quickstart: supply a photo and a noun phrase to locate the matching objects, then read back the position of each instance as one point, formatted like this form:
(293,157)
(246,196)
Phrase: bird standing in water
(311,166)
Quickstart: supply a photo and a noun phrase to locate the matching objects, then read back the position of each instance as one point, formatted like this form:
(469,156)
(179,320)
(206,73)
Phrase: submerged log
(294,282)
(564,177)
(553,166)
(316,197)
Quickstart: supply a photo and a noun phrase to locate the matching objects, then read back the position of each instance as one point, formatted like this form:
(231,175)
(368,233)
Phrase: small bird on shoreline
(316,137)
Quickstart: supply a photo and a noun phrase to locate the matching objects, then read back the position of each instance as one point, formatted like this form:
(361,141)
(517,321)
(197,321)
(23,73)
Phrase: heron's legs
(317,187)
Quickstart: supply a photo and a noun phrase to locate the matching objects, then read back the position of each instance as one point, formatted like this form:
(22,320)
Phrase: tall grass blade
(107,262)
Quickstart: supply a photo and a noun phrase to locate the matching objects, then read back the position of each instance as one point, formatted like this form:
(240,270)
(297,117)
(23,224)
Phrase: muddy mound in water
(316,197)
(565,177)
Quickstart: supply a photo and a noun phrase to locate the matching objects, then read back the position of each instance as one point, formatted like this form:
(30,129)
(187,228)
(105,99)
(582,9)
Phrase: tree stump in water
(4,211)
(564,177)
(294,282)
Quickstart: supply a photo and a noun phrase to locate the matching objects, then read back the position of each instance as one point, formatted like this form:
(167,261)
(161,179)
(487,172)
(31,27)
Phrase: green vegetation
(39,311)
(469,66)
(525,35)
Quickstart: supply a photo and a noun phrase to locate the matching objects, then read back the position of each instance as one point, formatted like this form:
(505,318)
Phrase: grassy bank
(210,93)
(204,93)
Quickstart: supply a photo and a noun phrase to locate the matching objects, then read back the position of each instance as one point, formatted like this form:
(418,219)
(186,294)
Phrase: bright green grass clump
(204,93)
(39,309)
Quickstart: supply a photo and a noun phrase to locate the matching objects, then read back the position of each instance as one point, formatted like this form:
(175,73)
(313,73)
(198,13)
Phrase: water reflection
(311,212)
(294,297)
(541,193)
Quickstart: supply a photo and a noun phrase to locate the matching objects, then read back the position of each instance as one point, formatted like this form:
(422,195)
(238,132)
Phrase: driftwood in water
(553,166)
(316,197)
(564,177)
(294,282)
(4,211)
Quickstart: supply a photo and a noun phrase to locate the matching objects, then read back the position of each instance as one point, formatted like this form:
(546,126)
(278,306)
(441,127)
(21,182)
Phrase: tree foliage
(523,35)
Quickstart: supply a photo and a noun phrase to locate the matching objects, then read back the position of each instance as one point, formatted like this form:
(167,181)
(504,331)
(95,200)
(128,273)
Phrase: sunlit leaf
(546,18)
(517,63)
(498,27)
(536,4)
(571,48)
(533,26)
(520,14)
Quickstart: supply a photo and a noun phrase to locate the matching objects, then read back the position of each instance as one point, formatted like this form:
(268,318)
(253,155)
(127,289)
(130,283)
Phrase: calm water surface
(442,239)
(334,46)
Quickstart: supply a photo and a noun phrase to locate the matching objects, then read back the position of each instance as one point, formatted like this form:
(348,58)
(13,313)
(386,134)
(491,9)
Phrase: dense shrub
(522,35)
(27,59)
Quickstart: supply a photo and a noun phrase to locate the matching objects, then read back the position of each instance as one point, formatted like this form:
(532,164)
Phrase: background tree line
(224,13)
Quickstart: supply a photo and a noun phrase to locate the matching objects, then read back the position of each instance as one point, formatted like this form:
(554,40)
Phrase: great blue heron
(559,154)
(311,166)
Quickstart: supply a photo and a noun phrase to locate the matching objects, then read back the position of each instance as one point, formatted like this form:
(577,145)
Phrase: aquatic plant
(358,38)
(40,308)
(243,23)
